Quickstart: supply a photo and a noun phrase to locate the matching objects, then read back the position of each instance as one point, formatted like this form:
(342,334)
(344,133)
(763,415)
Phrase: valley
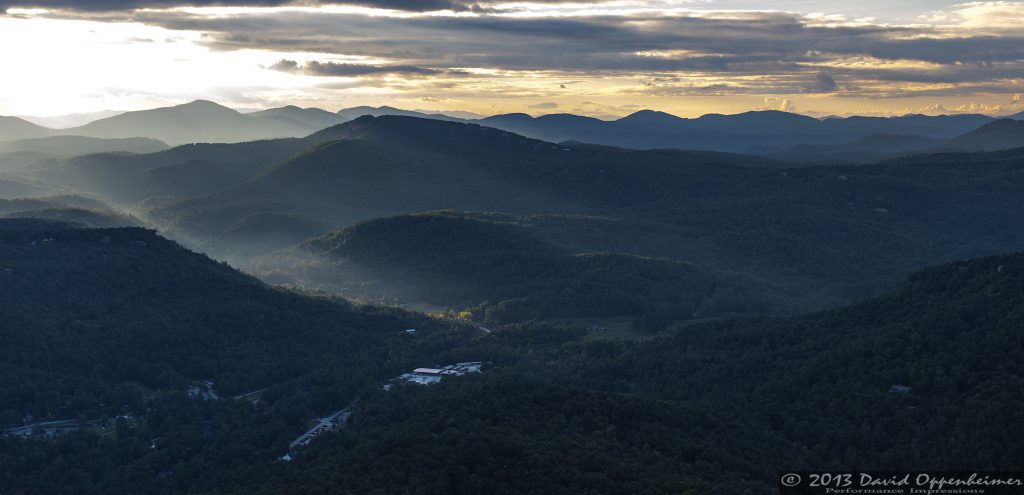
(475,247)
(658,320)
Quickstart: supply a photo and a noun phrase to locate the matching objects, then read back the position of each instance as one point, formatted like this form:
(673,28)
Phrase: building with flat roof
(429,376)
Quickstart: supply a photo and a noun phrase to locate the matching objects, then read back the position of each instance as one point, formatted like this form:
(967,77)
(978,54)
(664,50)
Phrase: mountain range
(382,166)
(996,135)
(646,320)
(196,122)
(312,117)
(812,236)
(762,132)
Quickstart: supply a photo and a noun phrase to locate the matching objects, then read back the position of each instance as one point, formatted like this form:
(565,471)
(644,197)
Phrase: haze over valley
(675,250)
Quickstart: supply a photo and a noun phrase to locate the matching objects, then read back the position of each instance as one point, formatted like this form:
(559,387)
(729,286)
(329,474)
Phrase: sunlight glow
(81,62)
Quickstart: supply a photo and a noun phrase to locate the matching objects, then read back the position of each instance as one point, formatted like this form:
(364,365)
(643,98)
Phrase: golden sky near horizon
(600,58)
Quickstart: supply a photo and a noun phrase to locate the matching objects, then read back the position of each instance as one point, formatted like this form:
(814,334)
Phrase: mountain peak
(354,112)
(517,115)
(202,104)
(286,108)
(417,135)
(410,130)
(649,117)
(195,121)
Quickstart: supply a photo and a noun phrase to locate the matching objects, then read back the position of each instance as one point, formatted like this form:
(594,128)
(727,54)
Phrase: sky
(593,57)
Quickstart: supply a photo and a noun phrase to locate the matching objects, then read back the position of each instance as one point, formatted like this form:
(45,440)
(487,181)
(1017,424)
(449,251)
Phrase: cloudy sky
(596,57)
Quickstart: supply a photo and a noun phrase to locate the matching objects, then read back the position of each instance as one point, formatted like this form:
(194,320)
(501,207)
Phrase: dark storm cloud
(521,43)
(587,43)
(785,52)
(118,5)
(944,50)
(335,69)
(124,5)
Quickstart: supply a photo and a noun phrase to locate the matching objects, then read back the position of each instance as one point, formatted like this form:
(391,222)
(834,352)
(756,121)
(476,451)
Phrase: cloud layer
(657,48)
(783,52)
(123,5)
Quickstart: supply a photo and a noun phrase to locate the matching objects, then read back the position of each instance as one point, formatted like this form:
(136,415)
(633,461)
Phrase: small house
(899,389)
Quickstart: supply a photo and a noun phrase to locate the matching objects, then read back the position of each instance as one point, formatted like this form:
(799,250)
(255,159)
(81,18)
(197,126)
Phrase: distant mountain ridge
(738,133)
(12,128)
(312,117)
(356,112)
(431,164)
(996,135)
(722,212)
(70,120)
(762,131)
(197,122)
(180,172)
(69,146)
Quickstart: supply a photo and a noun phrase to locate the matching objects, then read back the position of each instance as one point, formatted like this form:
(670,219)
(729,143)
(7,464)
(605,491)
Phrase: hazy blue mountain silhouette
(12,128)
(196,122)
(313,117)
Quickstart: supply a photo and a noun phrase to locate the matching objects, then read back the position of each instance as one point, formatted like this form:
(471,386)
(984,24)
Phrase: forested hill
(927,376)
(387,166)
(84,312)
(817,237)
(497,265)
(438,135)
(952,335)
(180,172)
(716,408)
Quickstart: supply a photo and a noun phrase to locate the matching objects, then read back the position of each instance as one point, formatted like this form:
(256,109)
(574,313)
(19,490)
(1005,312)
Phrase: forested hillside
(374,167)
(511,247)
(925,376)
(814,237)
(496,266)
(180,172)
(68,208)
(814,391)
(802,238)
(110,328)
(87,313)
